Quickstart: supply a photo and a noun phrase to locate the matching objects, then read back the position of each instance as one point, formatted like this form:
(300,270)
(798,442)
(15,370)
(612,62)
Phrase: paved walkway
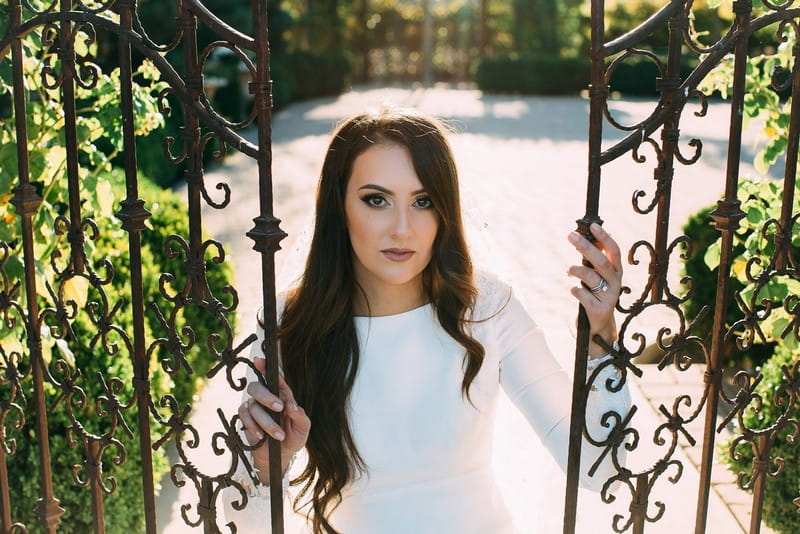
(522,162)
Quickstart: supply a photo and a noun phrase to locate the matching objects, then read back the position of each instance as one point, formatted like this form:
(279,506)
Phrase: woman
(394,351)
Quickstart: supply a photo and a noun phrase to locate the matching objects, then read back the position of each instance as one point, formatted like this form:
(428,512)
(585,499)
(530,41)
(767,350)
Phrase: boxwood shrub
(779,512)
(532,74)
(123,509)
(702,233)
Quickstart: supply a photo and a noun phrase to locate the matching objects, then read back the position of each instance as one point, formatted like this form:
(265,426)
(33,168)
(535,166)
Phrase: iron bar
(5,499)
(598,91)
(652,123)
(66,53)
(727,216)
(644,30)
(133,214)
(267,236)
(168,73)
(664,172)
(783,238)
(27,202)
(219,27)
(95,471)
(759,482)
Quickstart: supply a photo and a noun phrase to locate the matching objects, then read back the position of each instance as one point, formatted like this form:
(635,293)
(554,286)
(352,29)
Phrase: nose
(402,227)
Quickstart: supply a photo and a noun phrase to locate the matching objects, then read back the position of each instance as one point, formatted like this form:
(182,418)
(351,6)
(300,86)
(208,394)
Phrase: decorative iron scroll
(102,426)
(640,488)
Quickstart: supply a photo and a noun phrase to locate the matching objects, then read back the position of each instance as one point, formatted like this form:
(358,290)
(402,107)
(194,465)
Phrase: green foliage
(762,104)
(532,74)
(101,189)
(754,244)
(780,513)
(311,75)
(636,76)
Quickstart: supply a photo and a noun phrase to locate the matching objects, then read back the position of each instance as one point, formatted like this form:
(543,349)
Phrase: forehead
(388,165)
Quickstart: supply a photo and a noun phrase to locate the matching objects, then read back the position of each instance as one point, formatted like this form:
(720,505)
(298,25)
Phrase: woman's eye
(376,201)
(423,202)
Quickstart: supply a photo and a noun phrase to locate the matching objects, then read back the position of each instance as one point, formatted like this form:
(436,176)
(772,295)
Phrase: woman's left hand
(601,285)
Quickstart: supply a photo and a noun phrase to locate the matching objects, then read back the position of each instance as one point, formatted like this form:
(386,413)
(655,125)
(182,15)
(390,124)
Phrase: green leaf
(712,255)
(76,289)
(755,215)
(105,198)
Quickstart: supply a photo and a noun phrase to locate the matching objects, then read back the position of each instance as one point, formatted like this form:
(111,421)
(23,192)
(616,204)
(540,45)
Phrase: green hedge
(124,511)
(548,75)
(702,233)
(532,74)
(780,513)
(306,75)
(636,76)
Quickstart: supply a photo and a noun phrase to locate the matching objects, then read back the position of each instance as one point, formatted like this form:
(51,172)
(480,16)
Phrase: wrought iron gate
(64,20)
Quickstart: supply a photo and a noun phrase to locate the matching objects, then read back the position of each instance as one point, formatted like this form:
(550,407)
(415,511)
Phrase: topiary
(779,512)
(124,511)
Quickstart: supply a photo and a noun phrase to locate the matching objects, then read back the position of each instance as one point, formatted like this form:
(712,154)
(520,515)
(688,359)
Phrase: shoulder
(493,295)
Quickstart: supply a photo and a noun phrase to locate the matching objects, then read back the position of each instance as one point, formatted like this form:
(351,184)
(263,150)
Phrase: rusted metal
(675,93)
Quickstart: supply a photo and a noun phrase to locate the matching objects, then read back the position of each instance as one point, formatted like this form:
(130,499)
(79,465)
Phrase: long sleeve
(542,391)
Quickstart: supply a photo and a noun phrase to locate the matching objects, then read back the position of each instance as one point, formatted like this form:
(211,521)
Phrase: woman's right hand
(257,420)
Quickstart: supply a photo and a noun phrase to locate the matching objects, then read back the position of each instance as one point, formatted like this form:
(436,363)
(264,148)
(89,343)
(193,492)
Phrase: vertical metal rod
(66,53)
(267,235)
(598,92)
(783,240)
(760,463)
(194,161)
(5,500)
(639,510)
(95,472)
(727,216)
(670,87)
(133,214)
(27,202)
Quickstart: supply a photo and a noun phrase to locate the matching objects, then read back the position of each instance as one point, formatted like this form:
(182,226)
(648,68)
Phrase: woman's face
(391,221)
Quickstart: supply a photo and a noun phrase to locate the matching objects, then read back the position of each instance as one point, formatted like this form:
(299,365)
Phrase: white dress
(428,450)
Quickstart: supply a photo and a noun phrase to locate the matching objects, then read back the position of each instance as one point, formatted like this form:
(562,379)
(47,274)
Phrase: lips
(397,254)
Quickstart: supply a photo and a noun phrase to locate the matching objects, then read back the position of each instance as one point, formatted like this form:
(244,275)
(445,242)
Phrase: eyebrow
(387,191)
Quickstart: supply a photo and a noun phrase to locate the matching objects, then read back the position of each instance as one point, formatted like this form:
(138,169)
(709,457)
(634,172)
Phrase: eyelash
(370,200)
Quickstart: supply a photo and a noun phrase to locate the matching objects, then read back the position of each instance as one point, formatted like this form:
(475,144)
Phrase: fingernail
(573,237)
(277,405)
(295,407)
(259,435)
(279,435)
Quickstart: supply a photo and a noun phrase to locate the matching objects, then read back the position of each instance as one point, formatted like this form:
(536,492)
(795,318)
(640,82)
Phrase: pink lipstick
(397,254)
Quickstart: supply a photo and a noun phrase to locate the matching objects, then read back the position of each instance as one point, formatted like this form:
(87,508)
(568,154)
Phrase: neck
(389,300)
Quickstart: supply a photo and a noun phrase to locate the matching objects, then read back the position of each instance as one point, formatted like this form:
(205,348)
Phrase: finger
(265,421)
(594,256)
(287,395)
(264,396)
(299,421)
(585,274)
(608,244)
(251,428)
(261,364)
(596,307)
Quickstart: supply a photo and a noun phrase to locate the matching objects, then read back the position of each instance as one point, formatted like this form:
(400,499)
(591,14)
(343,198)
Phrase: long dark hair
(319,345)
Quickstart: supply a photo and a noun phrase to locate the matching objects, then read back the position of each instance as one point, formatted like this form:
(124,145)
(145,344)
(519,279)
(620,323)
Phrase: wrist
(598,351)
